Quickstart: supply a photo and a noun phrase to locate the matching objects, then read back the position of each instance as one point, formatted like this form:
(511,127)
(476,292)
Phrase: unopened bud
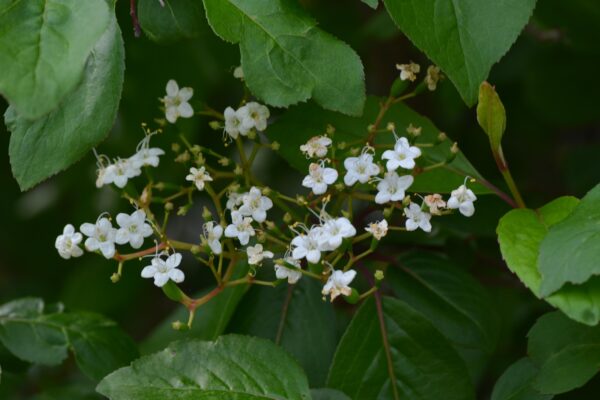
(454,149)
(270,225)
(196,149)
(330,129)
(114,278)
(379,275)
(169,206)
(406,201)
(287,218)
(178,326)
(341,145)
(215,125)
(183,210)
(301,200)
(238,170)
(391,126)
(275,146)
(183,157)
(266,191)
(175,147)
(339,186)
(195,249)
(442,136)
(206,214)
(387,212)
(159,186)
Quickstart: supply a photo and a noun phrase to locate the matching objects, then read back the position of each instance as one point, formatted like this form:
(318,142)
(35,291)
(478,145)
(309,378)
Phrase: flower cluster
(250,116)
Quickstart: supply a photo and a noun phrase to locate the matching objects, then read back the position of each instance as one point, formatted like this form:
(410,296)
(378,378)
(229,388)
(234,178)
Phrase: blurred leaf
(469,36)
(286,59)
(37,334)
(302,122)
(424,363)
(566,353)
(516,383)
(52,40)
(491,115)
(456,304)
(307,323)
(233,367)
(178,19)
(371,3)
(520,234)
(328,394)
(570,251)
(42,147)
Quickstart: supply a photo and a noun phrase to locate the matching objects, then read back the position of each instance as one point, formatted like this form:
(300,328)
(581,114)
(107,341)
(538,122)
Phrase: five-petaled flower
(199,176)
(319,177)
(291,274)
(378,229)
(133,229)
(240,228)
(360,168)
(403,155)
(255,205)
(67,244)
(256,254)
(417,218)
(339,283)
(307,246)
(316,146)
(462,199)
(101,236)
(212,236)
(392,187)
(176,102)
(164,270)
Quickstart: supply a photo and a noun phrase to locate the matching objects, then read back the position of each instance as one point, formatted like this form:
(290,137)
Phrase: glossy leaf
(232,367)
(566,353)
(456,304)
(286,59)
(570,251)
(42,147)
(371,3)
(267,312)
(38,334)
(464,37)
(52,40)
(516,383)
(178,19)
(307,120)
(328,394)
(491,114)
(424,363)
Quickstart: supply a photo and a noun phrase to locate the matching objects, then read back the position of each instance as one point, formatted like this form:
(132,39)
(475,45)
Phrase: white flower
(434,202)
(316,146)
(240,228)
(319,178)
(333,232)
(307,246)
(378,229)
(338,283)
(238,73)
(133,229)
(359,169)
(147,157)
(256,254)
(163,270)
(408,71)
(403,155)
(254,115)
(234,199)
(392,187)
(199,176)
(176,102)
(67,244)
(433,77)
(285,272)
(101,236)
(120,172)
(462,198)
(254,204)
(233,123)
(212,235)
(416,218)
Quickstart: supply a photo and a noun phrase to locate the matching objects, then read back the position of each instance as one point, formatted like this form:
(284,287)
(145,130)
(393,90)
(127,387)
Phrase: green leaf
(232,367)
(178,19)
(287,311)
(44,45)
(516,383)
(566,353)
(328,394)
(371,3)
(42,147)
(286,59)
(456,304)
(38,334)
(424,363)
(464,37)
(307,120)
(210,321)
(570,251)
(491,115)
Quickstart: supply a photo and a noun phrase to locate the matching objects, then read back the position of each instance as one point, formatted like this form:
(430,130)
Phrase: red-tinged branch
(142,253)
(137,31)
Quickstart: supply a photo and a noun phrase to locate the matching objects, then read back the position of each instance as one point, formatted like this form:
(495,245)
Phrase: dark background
(548,82)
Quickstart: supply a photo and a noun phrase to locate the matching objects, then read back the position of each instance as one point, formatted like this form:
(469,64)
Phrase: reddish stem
(137,31)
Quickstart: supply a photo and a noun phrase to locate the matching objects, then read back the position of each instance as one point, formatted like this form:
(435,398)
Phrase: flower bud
(270,225)
(195,249)
(238,170)
(183,210)
(387,212)
(176,147)
(406,201)
(391,126)
(224,161)
(196,149)
(441,137)
(330,129)
(215,125)
(206,214)
(179,326)
(341,145)
(287,218)
(454,149)
(114,278)
(379,275)
(275,146)
(169,206)
(159,186)
(183,157)
(266,191)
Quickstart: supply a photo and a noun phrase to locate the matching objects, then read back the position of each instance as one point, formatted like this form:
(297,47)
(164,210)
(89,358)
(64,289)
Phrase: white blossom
(176,102)
(233,123)
(212,234)
(147,157)
(462,198)
(238,73)
(360,168)
(333,232)
(339,283)
(403,155)
(319,177)
(408,71)
(240,228)
(133,229)
(307,246)
(234,199)
(101,236)
(392,187)
(378,229)
(163,270)
(316,146)
(67,244)
(256,254)
(435,202)
(284,272)
(254,204)
(120,172)
(199,176)
(417,218)
(254,115)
